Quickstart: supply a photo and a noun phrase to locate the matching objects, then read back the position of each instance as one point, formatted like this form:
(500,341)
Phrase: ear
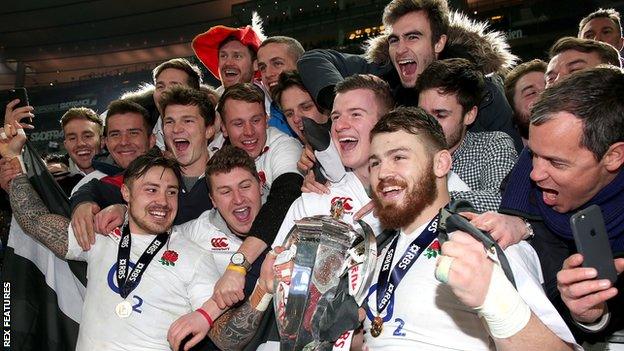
(255,65)
(471,115)
(125,193)
(210,132)
(439,46)
(614,157)
(442,162)
(152,140)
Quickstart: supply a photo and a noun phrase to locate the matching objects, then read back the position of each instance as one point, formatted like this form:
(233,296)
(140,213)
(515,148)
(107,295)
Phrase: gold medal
(123,309)
(376,327)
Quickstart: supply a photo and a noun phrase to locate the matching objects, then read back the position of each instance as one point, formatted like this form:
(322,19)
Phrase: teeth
(230,71)
(272,84)
(250,142)
(83,153)
(391,188)
(347,139)
(406,61)
(180,140)
(158,213)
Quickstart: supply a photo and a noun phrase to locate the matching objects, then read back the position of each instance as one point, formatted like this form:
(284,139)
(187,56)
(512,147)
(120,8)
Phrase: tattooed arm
(236,327)
(35,218)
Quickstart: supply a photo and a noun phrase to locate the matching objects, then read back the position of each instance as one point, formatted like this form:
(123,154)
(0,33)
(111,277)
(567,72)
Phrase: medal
(123,309)
(376,326)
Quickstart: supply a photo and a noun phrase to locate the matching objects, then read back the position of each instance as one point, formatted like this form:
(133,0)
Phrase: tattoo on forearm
(35,218)
(235,328)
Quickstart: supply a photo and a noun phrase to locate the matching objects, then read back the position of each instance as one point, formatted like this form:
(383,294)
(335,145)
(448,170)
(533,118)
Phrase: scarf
(523,196)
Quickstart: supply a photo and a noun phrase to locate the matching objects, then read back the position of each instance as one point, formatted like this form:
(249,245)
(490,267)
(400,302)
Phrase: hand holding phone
(17,106)
(592,241)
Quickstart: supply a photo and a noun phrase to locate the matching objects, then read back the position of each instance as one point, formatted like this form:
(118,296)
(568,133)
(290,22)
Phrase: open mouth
(230,73)
(158,214)
(249,144)
(181,144)
(242,214)
(83,153)
(549,196)
(347,143)
(407,67)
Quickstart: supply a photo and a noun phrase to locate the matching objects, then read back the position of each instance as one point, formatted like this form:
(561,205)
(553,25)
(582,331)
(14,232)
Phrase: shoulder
(199,231)
(277,139)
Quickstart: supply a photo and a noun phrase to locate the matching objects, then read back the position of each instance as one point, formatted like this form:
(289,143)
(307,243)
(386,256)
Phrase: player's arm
(235,328)
(35,218)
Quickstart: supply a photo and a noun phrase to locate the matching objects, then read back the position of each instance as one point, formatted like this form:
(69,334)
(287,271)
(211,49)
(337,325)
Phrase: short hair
(182,64)
(153,158)
(295,49)
(454,76)
(520,71)
(378,86)
(252,51)
(611,14)
(416,121)
(607,53)
(595,97)
(212,93)
(118,107)
(287,80)
(82,113)
(181,95)
(228,158)
(437,12)
(247,92)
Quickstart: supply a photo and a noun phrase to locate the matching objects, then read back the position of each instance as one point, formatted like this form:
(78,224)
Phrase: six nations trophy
(324,272)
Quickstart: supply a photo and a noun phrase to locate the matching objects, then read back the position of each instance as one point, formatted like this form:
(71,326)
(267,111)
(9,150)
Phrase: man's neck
(362,174)
(197,168)
(454,148)
(86,170)
(429,212)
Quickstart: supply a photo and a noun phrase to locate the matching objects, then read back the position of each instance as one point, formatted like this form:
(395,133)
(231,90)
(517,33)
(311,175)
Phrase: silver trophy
(320,250)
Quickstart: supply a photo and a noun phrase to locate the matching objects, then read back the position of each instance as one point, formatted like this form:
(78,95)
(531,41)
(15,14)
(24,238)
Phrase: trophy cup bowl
(319,252)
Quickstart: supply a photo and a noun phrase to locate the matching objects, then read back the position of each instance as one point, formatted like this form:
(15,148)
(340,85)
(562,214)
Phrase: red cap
(206,45)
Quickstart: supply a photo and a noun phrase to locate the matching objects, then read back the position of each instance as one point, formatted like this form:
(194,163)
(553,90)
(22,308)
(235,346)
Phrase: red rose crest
(169,257)
(433,250)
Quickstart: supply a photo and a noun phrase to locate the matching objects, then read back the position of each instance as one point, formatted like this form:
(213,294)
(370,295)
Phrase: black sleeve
(321,70)
(103,194)
(495,113)
(284,190)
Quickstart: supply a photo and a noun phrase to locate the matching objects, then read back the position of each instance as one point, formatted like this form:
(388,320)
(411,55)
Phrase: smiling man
(602,25)
(576,156)
(82,129)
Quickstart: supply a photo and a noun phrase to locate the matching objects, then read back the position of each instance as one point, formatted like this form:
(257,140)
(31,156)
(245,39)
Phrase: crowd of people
(182,195)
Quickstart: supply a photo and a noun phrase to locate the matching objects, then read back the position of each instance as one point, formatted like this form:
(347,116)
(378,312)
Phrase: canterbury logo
(346,202)
(219,243)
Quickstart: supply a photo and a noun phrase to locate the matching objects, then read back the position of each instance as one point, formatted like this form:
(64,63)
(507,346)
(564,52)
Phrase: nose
(125,139)
(340,124)
(297,118)
(539,170)
(177,127)
(384,170)
(401,47)
(248,129)
(237,197)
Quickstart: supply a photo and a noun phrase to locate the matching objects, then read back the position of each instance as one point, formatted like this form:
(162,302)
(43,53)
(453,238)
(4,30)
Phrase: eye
(373,163)
(398,157)
(307,107)
(412,37)
(113,134)
(222,55)
(237,124)
(224,192)
(168,121)
(289,114)
(172,192)
(393,40)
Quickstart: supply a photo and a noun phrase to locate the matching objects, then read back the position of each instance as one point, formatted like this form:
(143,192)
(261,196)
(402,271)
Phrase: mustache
(390,182)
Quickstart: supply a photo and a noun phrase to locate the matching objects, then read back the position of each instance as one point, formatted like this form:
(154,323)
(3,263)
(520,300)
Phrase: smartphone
(592,241)
(9,95)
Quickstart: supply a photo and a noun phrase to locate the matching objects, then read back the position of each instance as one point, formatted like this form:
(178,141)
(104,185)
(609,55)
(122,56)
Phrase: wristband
(503,309)
(235,268)
(206,315)
(260,299)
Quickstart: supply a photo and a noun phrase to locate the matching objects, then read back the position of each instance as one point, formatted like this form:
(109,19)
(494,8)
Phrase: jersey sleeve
(295,212)
(205,276)
(74,251)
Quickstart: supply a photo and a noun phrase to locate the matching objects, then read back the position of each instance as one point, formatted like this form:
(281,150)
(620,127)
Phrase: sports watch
(239,259)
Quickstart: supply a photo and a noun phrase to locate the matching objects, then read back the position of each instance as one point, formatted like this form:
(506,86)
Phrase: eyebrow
(532,86)
(580,60)
(390,152)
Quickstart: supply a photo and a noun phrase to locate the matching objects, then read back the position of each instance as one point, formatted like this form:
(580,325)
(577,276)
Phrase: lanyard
(128,282)
(386,287)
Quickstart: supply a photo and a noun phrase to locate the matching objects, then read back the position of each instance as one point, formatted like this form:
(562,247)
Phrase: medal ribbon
(128,282)
(386,287)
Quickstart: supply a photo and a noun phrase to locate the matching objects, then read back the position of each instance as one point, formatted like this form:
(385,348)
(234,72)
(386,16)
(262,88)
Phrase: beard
(148,226)
(400,215)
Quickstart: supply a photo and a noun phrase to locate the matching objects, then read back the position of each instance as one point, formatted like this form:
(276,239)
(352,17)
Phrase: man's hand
(229,289)
(366,209)
(109,218)
(267,273)
(506,230)
(12,140)
(191,323)
(470,269)
(307,159)
(310,185)
(582,293)
(8,171)
(12,115)
(82,223)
